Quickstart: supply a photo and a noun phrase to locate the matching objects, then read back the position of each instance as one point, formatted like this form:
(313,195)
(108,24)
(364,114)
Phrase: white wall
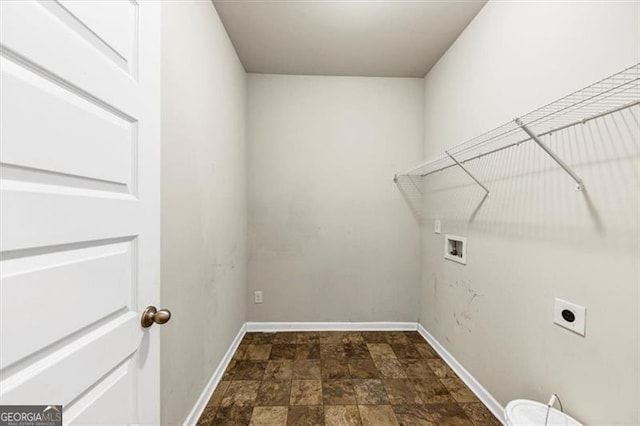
(330,237)
(535,238)
(203,200)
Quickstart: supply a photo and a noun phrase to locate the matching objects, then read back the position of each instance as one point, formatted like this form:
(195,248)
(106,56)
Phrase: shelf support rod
(552,154)
(468,172)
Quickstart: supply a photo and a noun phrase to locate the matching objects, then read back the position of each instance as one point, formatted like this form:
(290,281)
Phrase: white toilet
(521,412)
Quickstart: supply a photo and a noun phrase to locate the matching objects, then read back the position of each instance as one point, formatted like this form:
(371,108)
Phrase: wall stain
(463,317)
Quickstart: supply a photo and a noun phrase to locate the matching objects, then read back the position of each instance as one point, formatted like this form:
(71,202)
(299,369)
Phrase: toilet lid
(525,412)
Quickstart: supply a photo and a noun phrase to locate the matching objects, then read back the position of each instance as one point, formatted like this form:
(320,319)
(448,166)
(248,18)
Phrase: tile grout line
(410,343)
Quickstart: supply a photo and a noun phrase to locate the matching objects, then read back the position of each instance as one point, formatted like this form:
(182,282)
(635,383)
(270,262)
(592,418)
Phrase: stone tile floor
(341,378)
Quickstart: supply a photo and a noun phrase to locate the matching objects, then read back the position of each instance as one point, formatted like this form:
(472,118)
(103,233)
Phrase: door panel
(70,371)
(55,49)
(115,390)
(65,272)
(47,215)
(79,210)
(99,142)
(112,24)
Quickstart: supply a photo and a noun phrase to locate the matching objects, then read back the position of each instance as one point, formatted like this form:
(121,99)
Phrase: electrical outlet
(436,226)
(257,297)
(570,316)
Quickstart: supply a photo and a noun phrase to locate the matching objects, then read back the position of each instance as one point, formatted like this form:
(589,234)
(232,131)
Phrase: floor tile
(441,369)
(219,392)
(307,351)
(306,369)
(405,351)
(241,351)
(207,416)
(286,337)
(381,351)
(248,338)
(352,337)
(327,337)
(396,337)
(305,415)
(370,392)
(262,338)
(390,368)
(417,369)
(351,378)
(342,415)
(377,415)
(413,415)
(306,392)
(448,414)
(241,393)
(332,369)
(273,393)
(426,351)
(258,352)
(308,337)
(356,350)
(283,351)
(363,369)
(401,391)
(269,416)
(249,370)
(338,392)
(281,369)
(432,391)
(373,337)
(233,415)
(414,337)
(459,390)
(332,351)
(479,414)
(230,371)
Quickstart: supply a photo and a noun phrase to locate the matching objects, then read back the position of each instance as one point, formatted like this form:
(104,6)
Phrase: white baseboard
(330,326)
(487,399)
(202,401)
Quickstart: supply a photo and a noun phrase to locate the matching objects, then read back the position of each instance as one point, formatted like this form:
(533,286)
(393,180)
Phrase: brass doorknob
(151,315)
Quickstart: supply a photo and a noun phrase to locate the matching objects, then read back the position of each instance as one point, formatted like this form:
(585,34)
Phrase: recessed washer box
(455,248)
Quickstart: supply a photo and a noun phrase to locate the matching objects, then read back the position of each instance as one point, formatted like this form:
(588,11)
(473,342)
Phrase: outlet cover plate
(577,312)
(257,297)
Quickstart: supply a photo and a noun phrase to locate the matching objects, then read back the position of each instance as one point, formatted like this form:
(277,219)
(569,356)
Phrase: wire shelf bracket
(612,94)
(549,151)
(468,173)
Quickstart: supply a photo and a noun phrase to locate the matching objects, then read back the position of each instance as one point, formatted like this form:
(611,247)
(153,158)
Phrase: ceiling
(391,38)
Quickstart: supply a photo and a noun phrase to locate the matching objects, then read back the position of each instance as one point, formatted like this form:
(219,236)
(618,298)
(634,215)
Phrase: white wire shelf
(607,96)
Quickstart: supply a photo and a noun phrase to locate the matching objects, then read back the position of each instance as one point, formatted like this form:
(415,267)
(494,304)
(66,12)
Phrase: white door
(79,207)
